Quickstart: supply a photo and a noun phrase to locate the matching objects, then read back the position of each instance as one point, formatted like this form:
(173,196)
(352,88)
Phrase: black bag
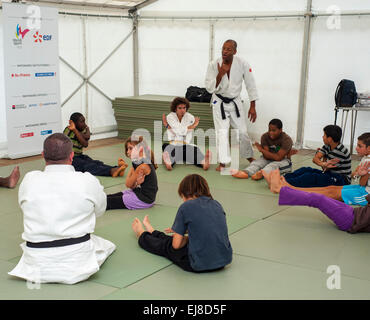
(196,94)
(345,95)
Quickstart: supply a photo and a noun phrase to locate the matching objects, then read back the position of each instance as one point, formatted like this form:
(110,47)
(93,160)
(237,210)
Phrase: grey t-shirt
(204,219)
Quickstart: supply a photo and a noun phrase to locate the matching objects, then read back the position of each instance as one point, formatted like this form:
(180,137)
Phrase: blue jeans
(307,177)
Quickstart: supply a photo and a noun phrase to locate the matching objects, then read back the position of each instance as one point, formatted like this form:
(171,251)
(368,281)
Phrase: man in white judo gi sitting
(224,80)
(60,207)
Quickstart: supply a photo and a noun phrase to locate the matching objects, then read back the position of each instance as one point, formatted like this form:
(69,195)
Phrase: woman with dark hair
(206,247)
(180,125)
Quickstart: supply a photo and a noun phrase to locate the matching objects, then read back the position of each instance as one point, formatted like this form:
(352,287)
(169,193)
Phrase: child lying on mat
(349,194)
(79,133)
(141,179)
(207,246)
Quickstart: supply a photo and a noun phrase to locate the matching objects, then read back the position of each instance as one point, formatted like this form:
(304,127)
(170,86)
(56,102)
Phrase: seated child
(276,147)
(12,180)
(180,124)
(79,133)
(334,159)
(207,246)
(349,194)
(141,179)
(346,218)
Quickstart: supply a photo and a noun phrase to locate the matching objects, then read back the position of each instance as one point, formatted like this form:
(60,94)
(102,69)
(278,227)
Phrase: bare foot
(267,176)
(167,160)
(220,167)
(239,174)
(13,178)
(147,224)
(122,163)
(207,160)
(137,227)
(115,172)
(257,176)
(276,184)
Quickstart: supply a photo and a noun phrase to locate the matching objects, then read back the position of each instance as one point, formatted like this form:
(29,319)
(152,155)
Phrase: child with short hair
(275,147)
(349,194)
(141,179)
(79,133)
(334,159)
(180,125)
(207,246)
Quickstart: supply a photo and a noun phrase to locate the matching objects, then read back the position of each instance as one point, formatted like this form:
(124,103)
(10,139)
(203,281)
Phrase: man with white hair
(60,207)
(224,80)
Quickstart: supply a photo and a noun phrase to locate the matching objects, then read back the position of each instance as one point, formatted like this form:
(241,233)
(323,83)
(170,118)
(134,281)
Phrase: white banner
(31,74)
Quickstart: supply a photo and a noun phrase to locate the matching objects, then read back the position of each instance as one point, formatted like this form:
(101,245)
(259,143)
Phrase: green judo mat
(279,252)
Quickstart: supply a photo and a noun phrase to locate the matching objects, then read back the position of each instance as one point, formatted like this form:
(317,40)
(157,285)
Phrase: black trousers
(161,244)
(114,201)
(84,163)
(184,153)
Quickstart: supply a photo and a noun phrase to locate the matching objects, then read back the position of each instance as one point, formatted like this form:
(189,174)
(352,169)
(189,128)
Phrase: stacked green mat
(136,112)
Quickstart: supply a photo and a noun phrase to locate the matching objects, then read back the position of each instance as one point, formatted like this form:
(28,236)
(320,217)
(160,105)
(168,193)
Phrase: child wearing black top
(141,179)
(206,247)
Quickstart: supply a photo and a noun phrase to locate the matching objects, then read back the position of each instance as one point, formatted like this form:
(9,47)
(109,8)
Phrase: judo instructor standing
(60,207)
(224,80)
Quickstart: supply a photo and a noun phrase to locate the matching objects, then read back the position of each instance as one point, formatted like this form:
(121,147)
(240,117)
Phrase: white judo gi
(60,203)
(230,88)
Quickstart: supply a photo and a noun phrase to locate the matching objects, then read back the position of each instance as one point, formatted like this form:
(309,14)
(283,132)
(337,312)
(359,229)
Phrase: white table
(354,111)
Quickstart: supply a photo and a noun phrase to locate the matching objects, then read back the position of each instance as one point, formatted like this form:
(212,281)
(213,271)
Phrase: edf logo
(39,37)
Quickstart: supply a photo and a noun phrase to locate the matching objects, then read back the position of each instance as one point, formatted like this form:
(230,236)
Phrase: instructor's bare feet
(276,183)
(137,227)
(257,176)
(147,224)
(207,160)
(167,160)
(220,167)
(239,174)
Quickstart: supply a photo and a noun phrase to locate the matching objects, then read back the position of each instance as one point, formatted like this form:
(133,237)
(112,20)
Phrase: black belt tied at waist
(227,100)
(58,243)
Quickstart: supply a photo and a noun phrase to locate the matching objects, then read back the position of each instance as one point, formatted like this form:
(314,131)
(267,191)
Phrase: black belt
(58,243)
(227,100)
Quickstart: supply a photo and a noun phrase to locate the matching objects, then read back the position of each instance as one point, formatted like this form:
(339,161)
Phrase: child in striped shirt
(334,159)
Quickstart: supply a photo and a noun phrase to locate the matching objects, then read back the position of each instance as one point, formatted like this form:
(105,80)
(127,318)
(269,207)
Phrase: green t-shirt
(77,146)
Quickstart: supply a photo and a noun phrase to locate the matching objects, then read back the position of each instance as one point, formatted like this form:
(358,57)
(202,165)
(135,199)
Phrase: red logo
(38,37)
(250,69)
(28,134)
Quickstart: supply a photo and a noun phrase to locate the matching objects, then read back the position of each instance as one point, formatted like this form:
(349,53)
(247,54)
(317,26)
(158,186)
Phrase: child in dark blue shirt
(206,247)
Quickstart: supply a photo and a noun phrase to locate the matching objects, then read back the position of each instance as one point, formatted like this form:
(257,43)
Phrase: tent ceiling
(92,4)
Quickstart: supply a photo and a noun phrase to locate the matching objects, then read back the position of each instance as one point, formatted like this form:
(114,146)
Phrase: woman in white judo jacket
(60,207)
(224,80)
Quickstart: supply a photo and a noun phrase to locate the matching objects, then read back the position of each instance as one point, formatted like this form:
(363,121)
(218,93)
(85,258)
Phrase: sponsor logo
(44,132)
(20,75)
(18,106)
(47,104)
(28,134)
(32,105)
(45,74)
(40,38)
(19,33)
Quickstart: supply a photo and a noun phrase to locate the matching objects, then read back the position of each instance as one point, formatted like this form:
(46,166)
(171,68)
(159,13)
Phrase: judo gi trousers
(222,127)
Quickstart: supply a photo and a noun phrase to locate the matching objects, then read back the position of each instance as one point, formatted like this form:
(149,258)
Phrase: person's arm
(179,241)
(176,126)
(195,124)
(329,164)
(83,138)
(136,177)
(363,172)
(268,155)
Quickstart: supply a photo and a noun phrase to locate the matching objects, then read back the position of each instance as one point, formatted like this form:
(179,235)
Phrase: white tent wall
(336,54)
(114,77)
(343,5)
(3,134)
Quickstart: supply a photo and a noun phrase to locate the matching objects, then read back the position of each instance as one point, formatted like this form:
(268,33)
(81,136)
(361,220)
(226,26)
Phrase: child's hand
(363,169)
(168,230)
(72,125)
(331,163)
(164,120)
(258,146)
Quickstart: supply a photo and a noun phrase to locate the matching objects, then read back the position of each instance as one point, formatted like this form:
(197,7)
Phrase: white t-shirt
(363,160)
(60,203)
